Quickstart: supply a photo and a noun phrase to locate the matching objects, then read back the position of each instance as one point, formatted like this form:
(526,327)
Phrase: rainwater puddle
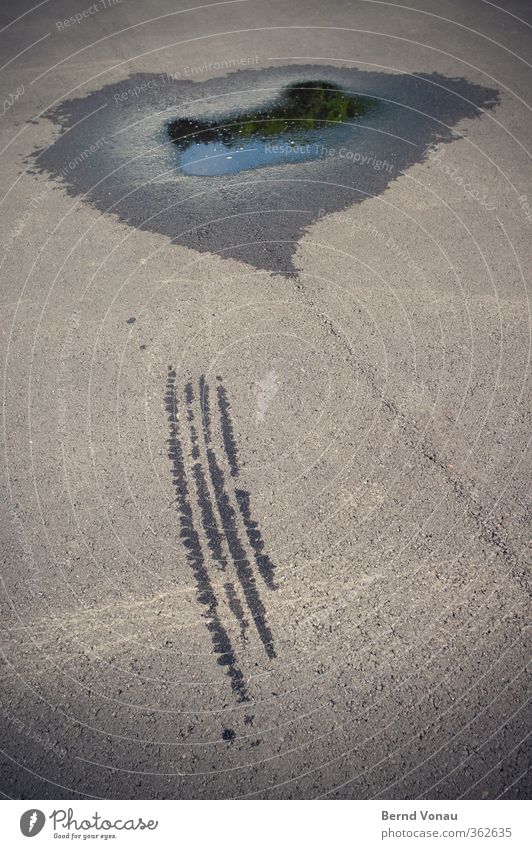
(243,165)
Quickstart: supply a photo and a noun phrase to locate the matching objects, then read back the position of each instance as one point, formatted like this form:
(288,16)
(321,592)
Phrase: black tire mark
(228,431)
(228,519)
(209,523)
(205,407)
(264,564)
(205,593)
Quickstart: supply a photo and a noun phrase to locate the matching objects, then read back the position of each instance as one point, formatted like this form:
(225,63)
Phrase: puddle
(153,151)
(302,124)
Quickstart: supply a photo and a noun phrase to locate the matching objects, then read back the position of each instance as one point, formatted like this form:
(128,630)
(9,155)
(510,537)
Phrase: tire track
(209,523)
(228,431)
(264,564)
(205,593)
(228,520)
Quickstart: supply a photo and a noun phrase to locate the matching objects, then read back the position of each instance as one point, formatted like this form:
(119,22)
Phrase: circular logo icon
(31,822)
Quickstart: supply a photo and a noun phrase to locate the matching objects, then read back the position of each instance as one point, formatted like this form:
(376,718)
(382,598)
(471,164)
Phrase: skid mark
(209,522)
(228,520)
(205,407)
(205,593)
(210,525)
(228,432)
(200,485)
(264,564)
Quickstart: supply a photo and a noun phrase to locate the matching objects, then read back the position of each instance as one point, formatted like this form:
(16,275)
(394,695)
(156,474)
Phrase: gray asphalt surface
(266,479)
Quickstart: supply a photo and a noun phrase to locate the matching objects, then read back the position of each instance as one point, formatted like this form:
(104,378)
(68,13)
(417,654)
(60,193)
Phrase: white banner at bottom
(306,824)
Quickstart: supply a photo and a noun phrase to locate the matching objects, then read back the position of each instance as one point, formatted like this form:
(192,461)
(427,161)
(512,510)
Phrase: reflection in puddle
(306,120)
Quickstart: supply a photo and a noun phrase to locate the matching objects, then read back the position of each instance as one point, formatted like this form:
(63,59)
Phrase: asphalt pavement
(266,479)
